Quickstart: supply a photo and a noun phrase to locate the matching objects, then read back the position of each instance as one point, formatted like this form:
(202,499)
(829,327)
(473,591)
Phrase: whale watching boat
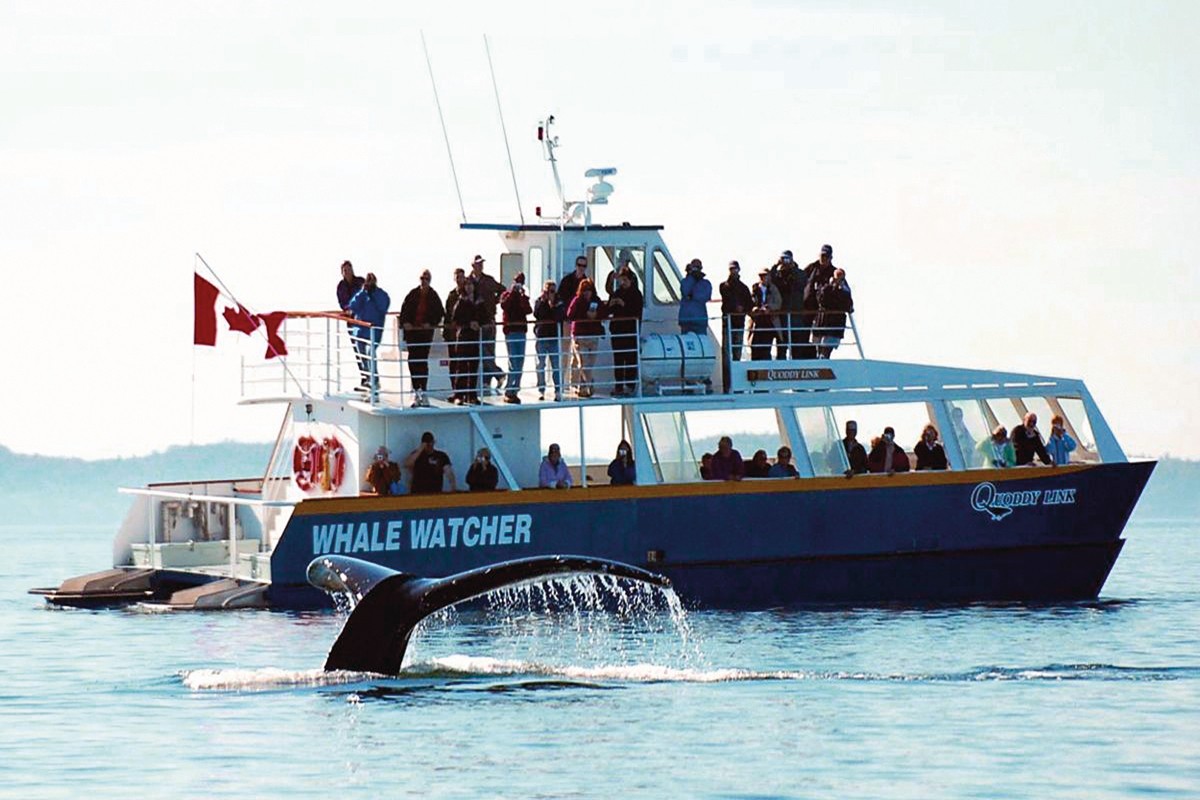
(971,532)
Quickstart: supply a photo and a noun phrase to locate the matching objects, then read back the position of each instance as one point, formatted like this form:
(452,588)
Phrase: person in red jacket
(886,456)
(586,314)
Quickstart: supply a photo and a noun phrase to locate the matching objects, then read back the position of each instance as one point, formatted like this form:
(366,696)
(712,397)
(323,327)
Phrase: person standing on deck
(347,287)
(420,314)
(548,314)
(763,316)
(568,287)
(694,293)
(369,307)
(625,310)
(735,304)
(487,294)
(789,280)
(514,304)
(469,318)
(816,275)
(586,313)
(449,334)
(836,303)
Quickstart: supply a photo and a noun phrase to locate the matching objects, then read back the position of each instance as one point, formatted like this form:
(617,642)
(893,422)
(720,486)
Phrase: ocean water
(1093,700)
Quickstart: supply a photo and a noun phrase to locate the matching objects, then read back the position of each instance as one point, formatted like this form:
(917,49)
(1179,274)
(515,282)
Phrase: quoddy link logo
(998,505)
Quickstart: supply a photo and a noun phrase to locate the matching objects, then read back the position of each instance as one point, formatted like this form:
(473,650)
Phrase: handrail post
(231,534)
(857,341)
(328,344)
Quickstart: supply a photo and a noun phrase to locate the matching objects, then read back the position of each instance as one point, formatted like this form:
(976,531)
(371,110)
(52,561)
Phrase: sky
(1009,186)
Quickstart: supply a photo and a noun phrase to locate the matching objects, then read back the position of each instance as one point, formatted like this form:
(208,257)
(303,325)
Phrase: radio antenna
(503,129)
(445,135)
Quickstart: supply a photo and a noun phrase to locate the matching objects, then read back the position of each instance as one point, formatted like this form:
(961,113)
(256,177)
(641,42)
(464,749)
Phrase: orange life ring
(334,463)
(307,463)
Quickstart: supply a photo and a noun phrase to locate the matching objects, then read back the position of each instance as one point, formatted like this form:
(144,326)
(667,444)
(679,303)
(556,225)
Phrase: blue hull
(1034,534)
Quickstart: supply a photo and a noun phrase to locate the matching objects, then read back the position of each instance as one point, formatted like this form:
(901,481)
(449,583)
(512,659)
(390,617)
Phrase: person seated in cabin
(835,303)
(1027,442)
(727,463)
(783,466)
(483,476)
(621,470)
(997,451)
(1060,445)
(759,465)
(420,314)
(706,467)
(886,456)
(929,451)
(856,454)
(514,304)
(553,474)
(625,311)
(383,475)
(586,313)
(429,467)
(694,293)
(548,313)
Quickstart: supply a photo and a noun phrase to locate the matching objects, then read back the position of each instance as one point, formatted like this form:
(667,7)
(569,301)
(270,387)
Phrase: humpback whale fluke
(390,604)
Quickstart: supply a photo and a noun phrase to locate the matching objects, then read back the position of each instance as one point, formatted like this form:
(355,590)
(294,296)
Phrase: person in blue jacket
(369,306)
(694,293)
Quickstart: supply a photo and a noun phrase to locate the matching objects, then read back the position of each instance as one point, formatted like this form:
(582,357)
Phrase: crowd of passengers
(799,312)
(1000,450)
(430,469)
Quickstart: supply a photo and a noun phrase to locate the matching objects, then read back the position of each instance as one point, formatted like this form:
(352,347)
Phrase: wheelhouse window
(666,280)
(608,259)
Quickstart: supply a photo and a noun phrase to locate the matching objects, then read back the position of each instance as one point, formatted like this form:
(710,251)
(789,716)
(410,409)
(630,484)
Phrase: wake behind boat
(979,529)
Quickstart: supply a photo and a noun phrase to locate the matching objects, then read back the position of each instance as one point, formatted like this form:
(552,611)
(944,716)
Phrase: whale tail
(998,512)
(390,604)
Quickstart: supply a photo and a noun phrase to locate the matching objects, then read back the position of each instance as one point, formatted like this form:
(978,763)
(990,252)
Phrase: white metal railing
(327,357)
(230,502)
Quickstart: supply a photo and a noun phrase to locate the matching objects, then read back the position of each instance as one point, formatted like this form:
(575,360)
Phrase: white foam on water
(634,673)
(266,678)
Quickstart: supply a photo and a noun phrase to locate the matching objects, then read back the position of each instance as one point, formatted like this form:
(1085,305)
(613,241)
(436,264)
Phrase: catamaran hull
(1035,534)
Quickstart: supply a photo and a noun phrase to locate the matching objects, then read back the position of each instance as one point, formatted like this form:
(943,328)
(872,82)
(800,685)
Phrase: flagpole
(282,359)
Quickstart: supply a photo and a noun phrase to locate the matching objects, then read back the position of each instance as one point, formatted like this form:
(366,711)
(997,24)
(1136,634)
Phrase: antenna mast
(445,135)
(550,144)
(503,129)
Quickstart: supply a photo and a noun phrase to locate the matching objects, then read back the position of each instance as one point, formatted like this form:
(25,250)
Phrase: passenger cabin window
(666,280)
(1076,418)
(971,427)
(825,451)
(671,447)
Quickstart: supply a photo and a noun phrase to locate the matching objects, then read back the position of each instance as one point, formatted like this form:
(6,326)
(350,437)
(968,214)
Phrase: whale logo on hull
(389,604)
(984,498)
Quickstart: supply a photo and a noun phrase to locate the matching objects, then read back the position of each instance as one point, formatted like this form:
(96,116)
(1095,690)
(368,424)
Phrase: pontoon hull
(1037,534)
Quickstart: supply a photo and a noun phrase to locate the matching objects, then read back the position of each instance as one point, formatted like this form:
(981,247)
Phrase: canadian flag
(238,319)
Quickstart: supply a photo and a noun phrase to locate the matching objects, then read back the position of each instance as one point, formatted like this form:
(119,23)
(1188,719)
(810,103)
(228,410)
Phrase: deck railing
(328,357)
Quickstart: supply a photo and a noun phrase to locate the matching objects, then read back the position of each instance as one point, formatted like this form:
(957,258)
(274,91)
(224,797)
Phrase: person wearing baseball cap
(817,276)
(694,292)
(487,295)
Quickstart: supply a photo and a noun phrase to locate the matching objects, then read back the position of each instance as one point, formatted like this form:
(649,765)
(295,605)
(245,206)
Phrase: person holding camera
(1060,445)
(694,293)
(482,475)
